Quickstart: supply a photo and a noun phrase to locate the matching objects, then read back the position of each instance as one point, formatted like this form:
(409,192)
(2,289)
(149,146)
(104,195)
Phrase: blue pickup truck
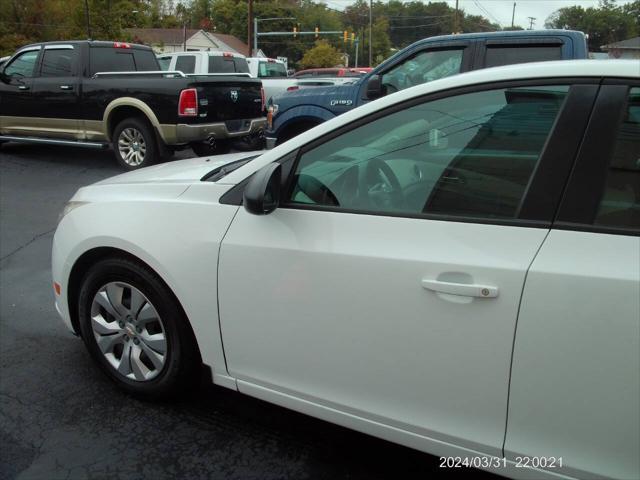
(430,59)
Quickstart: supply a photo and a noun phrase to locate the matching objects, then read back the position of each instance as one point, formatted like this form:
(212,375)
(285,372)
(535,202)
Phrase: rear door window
(145,60)
(497,55)
(107,59)
(620,202)
(58,62)
(186,64)
(220,64)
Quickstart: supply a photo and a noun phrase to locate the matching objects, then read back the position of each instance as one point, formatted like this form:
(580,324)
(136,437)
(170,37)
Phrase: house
(627,49)
(167,40)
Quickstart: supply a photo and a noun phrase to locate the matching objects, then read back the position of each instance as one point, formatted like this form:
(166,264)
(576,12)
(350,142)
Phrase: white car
(454,267)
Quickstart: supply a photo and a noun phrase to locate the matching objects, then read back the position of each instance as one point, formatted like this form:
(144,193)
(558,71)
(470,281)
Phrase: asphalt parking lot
(60,418)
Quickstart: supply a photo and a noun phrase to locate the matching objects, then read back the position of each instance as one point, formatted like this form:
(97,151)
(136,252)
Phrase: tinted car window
(111,60)
(186,64)
(218,64)
(620,203)
(145,60)
(58,63)
(470,155)
(509,54)
(423,67)
(23,65)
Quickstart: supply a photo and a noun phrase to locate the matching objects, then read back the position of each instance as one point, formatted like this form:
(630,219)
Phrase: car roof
(503,34)
(563,69)
(93,43)
(212,53)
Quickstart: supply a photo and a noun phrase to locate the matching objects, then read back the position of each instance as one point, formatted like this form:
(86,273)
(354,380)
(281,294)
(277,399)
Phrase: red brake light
(292,88)
(262,98)
(227,54)
(121,45)
(271,60)
(188,103)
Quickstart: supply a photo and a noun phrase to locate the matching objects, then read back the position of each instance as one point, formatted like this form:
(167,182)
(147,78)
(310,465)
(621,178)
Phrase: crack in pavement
(39,235)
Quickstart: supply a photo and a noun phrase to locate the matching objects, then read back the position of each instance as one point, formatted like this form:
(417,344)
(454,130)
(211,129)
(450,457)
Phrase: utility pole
(456,27)
(370,32)
(184,37)
(250,27)
(255,35)
(531,22)
(86,15)
(513,15)
(357,42)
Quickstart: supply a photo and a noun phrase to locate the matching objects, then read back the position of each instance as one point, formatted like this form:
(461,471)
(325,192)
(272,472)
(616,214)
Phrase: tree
(608,23)
(321,56)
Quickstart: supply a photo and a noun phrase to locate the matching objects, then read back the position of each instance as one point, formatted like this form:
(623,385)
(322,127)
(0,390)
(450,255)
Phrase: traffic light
(317,32)
(345,36)
(295,32)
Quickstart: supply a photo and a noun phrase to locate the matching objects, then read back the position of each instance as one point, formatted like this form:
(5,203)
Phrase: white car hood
(177,172)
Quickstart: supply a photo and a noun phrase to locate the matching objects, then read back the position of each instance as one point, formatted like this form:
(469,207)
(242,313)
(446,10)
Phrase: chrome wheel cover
(132,146)
(128,331)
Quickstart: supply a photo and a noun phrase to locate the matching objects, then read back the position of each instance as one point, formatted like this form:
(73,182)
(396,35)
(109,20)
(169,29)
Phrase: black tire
(182,362)
(142,130)
(204,149)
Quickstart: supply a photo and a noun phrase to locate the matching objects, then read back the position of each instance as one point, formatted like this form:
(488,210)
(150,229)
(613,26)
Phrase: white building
(627,49)
(167,40)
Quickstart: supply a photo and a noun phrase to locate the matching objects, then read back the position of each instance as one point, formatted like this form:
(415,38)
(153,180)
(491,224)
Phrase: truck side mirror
(262,193)
(374,87)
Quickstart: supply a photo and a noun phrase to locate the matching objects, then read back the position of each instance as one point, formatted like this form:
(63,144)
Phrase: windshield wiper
(221,172)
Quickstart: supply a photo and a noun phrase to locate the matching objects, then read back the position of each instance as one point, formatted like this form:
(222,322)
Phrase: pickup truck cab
(273,74)
(101,94)
(204,62)
(426,60)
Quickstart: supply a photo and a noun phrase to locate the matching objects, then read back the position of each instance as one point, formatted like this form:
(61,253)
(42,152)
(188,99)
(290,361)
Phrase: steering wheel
(316,191)
(378,186)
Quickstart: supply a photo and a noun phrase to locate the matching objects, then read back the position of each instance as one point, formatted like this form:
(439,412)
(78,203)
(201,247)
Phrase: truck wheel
(134,144)
(205,149)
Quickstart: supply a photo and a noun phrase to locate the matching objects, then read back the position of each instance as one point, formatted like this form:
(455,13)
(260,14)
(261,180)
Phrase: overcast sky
(500,10)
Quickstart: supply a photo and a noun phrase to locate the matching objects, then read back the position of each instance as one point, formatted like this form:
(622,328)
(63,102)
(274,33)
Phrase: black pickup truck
(97,94)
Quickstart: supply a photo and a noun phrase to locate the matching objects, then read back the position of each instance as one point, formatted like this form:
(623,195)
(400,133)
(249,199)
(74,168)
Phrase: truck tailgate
(227,99)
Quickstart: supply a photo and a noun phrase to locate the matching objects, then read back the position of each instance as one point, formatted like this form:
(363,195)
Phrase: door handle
(462,289)
(23,87)
(65,87)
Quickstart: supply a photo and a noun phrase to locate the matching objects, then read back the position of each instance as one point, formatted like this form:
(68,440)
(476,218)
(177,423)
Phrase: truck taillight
(188,103)
(262,98)
(121,45)
(292,88)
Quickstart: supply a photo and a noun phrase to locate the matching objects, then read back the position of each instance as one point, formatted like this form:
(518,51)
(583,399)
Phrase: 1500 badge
(346,103)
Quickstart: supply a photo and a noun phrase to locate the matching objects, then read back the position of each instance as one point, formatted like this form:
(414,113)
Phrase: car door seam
(224,354)
(513,344)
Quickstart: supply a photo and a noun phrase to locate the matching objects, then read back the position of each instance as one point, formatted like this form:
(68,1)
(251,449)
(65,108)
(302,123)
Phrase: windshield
(271,69)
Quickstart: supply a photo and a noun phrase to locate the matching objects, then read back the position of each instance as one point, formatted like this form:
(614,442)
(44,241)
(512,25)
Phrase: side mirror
(374,87)
(262,193)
